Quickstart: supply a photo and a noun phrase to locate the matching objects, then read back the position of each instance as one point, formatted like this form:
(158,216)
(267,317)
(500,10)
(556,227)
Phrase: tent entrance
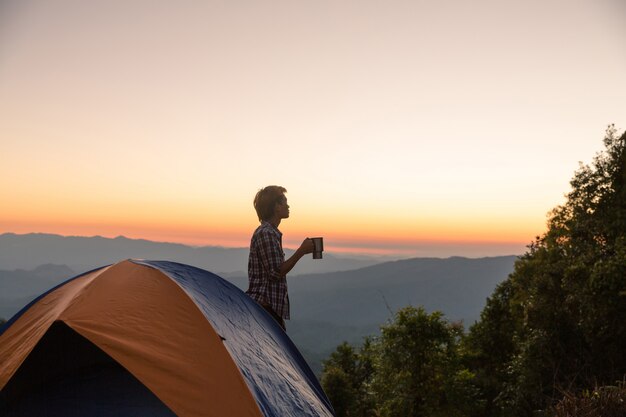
(67,375)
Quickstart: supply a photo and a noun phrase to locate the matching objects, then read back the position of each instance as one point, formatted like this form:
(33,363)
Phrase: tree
(347,377)
(488,347)
(417,369)
(556,326)
(340,388)
(412,369)
(560,318)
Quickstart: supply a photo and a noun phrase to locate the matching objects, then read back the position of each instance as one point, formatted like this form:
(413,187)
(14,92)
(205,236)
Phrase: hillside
(456,286)
(330,308)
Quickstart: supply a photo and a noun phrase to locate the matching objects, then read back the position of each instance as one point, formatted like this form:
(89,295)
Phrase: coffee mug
(318,247)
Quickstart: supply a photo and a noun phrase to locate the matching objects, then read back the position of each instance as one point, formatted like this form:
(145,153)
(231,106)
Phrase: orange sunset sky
(405,128)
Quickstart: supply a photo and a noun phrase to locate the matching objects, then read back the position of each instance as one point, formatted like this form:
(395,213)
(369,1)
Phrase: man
(267,267)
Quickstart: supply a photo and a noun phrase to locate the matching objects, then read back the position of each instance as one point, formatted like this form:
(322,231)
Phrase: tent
(151,338)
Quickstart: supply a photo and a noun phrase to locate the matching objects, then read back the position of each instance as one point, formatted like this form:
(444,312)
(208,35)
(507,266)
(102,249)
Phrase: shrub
(607,401)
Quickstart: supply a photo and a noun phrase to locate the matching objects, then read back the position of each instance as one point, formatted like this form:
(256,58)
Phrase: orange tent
(152,338)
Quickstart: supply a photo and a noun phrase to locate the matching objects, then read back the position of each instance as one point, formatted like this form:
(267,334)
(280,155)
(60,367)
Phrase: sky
(401,128)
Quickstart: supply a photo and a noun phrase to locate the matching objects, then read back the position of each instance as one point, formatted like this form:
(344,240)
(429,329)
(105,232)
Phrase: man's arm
(272,259)
(305,247)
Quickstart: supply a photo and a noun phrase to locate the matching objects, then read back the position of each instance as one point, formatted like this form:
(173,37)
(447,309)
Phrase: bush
(608,401)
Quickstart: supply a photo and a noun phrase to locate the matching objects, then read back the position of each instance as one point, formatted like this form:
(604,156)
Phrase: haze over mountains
(86,253)
(328,307)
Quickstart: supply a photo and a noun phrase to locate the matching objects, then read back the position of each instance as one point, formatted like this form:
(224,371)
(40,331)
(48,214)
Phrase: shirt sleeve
(271,255)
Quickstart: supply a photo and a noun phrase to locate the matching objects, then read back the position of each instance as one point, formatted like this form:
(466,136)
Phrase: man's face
(282,208)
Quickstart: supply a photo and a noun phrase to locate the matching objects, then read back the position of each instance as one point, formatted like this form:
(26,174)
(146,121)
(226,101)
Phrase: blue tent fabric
(275,371)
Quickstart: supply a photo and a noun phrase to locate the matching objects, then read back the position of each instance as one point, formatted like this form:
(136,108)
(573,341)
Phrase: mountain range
(327,308)
(82,254)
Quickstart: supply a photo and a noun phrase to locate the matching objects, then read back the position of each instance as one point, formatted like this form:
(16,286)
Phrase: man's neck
(274,221)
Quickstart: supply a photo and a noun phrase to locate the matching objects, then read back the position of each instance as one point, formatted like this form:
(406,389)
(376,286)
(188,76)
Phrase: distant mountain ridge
(326,308)
(456,286)
(22,283)
(19,287)
(28,251)
(329,308)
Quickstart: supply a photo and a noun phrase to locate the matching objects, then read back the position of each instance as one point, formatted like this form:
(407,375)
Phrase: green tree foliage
(549,335)
(412,369)
(558,323)
(416,364)
(489,346)
(347,378)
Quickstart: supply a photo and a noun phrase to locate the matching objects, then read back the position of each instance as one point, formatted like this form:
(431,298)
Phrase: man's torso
(266,286)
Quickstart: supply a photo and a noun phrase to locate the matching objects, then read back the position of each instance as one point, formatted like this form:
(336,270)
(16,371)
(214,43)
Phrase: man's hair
(266,199)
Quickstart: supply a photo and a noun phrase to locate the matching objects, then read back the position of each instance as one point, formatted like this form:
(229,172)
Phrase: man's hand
(306,246)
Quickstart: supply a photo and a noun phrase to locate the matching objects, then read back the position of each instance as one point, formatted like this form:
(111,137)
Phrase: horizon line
(370,251)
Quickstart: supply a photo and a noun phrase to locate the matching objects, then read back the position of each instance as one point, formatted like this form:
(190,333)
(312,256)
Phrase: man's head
(270,201)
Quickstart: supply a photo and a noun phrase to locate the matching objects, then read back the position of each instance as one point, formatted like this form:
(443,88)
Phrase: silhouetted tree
(555,327)
(558,324)
(489,346)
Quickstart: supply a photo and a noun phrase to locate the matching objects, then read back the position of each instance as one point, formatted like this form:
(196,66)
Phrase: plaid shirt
(266,285)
